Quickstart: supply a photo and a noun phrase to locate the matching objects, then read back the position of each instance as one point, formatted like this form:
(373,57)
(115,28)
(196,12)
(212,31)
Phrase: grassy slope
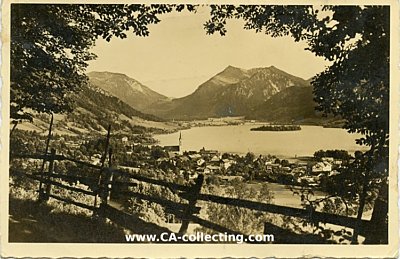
(30,221)
(55,221)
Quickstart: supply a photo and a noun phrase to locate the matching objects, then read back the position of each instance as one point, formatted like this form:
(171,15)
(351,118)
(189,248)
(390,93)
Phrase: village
(224,167)
(185,166)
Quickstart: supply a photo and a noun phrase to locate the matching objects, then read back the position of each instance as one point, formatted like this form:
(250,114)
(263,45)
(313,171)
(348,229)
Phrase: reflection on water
(239,139)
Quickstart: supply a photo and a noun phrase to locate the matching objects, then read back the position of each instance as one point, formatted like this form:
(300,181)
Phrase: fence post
(192,198)
(41,191)
(377,228)
(51,170)
(99,180)
(44,195)
(105,191)
(110,175)
(106,183)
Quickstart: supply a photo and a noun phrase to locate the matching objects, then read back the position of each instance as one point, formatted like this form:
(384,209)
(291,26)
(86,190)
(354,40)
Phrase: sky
(178,55)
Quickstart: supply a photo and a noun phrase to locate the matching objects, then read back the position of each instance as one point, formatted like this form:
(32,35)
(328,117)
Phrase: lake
(239,139)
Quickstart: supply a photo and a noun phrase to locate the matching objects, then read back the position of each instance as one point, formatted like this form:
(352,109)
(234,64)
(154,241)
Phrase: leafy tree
(249,158)
(50,47)
(337,154)
(157,152)
(236,218)
(355,86)
(285,163)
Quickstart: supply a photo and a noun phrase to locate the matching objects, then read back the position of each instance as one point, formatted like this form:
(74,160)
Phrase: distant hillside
(126,89)
(95,109)
(99,102)
(293,103)
(232,92)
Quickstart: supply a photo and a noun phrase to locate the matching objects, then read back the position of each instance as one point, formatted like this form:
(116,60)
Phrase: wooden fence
(104,179)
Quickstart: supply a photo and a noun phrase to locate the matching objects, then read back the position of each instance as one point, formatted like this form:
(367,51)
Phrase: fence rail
(104,180)
(315,216)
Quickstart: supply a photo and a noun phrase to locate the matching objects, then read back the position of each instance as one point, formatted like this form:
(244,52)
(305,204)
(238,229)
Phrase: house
(124,139)
(321,167)
(216,161)
(227,163)
(162,159)
(200,162)
(95,161)
(195,157)
(172,154)
(209,153)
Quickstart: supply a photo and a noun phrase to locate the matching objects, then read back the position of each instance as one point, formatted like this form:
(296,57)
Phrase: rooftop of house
(172,148)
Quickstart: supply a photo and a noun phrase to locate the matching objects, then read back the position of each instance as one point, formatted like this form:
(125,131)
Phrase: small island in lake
(277,128)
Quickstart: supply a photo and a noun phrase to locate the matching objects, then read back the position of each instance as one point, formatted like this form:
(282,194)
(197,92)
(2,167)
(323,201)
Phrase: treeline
(277,128)
(336,154)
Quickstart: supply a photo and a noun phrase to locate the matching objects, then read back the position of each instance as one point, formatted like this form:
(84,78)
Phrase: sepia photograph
(200,125)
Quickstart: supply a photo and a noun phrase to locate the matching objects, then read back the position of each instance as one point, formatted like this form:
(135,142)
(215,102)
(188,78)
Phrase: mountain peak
(234,69)
(231,67)
(234,72)
(233,91)
(274,68)
(129,90)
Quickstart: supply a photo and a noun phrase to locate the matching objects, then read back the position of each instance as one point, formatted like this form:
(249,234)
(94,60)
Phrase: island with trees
(277,128)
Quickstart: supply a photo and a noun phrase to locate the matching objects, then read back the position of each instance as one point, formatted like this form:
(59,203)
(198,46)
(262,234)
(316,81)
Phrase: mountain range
(266,94)
(260,93)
